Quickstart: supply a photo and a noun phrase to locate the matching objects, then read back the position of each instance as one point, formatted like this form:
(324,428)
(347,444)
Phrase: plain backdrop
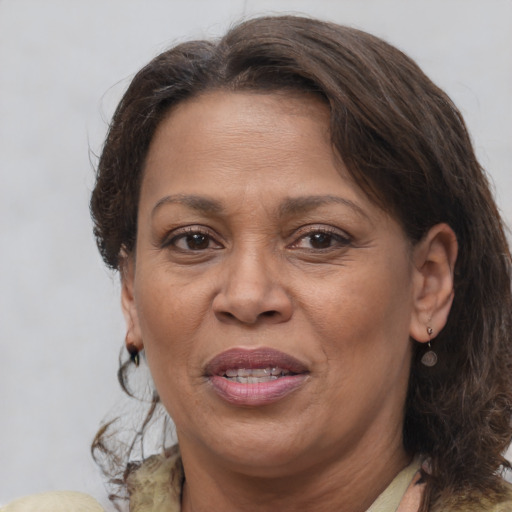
(63,66)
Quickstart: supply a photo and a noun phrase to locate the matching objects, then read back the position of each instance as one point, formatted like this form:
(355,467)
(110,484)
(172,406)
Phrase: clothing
(156,487)
(60,501)
(149,487)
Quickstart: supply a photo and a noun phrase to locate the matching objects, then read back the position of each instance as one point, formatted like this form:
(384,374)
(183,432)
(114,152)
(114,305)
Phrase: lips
(255,377)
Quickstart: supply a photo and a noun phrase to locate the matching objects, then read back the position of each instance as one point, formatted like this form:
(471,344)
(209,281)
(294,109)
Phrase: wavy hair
(406,145)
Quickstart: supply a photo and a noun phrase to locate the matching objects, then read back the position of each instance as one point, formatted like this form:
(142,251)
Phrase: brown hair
(406,145)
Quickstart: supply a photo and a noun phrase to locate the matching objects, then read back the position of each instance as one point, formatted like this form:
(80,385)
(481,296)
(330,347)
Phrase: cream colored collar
(156,487)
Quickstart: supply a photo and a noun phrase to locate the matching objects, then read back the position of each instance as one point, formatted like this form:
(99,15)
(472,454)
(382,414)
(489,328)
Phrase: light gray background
(63,66)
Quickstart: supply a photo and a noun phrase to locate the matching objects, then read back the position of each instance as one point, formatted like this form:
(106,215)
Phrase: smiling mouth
(254,363)
(255,377)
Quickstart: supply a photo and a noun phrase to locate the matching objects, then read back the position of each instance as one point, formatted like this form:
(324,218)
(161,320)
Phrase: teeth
(254,380)
(259,372)
(255,375)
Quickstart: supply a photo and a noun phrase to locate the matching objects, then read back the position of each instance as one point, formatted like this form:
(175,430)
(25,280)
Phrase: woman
(315,271)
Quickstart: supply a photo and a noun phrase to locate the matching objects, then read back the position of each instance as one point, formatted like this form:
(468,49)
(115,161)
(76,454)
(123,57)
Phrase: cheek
(363,331)
(361,315)
(167,308)
(177,331)
(168,325)
(170,317)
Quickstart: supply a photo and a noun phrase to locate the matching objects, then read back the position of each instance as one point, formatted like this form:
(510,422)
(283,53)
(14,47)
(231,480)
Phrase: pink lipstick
(255,377)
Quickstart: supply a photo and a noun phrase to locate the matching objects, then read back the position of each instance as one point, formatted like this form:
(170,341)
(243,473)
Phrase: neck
(350,483)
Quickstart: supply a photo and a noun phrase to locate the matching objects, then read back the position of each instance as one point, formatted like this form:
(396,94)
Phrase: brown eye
(197,241)
(193,240)
(320,240)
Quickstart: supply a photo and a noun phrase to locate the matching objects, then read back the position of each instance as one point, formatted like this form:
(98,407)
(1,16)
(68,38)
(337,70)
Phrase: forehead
(199,121)
(260,106)
(242,135)
(248,156)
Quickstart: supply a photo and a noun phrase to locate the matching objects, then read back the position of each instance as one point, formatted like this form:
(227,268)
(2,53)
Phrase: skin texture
(291,255)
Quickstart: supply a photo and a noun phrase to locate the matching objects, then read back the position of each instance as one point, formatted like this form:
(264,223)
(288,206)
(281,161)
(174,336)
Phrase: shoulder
(157,481)
(505,503)
(498,503)
(60,501)
(489,502)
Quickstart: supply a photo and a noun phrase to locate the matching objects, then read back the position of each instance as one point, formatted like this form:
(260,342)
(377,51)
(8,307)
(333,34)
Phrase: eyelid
(182,231)
(311,229)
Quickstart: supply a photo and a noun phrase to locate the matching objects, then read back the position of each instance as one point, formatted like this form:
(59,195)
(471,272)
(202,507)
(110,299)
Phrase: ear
(128,304)
(434,259)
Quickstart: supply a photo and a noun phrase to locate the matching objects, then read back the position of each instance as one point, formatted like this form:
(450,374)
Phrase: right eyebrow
(199,203)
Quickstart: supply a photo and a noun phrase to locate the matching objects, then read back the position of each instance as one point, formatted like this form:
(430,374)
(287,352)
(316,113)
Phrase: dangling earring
(429,358)
(134,354)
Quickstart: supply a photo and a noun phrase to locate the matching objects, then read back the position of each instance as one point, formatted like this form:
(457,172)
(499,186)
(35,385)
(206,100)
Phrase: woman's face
(274,301)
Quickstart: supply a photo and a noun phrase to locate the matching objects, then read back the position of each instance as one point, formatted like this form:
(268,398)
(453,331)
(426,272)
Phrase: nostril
(227,316)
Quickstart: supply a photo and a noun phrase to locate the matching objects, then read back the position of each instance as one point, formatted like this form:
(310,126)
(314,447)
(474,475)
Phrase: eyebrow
(290,206)
(198,203)
(305,204)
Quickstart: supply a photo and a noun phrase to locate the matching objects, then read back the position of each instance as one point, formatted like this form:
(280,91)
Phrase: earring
(134,354)
(429,358)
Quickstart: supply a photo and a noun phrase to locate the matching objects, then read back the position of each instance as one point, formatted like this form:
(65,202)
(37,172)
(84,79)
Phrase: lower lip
(256,394)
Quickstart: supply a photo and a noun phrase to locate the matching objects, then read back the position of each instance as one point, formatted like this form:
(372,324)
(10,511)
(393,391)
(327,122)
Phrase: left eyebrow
(304,204)
(199,203)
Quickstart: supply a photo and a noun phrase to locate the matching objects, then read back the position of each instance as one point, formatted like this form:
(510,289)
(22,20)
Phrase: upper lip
(251,359)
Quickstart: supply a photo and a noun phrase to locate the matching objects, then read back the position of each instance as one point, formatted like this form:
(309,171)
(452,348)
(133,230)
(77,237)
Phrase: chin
(264,448)
(265,459)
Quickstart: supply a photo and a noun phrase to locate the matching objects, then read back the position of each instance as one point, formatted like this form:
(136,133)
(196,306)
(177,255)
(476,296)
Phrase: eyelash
(189,231)
(340,239)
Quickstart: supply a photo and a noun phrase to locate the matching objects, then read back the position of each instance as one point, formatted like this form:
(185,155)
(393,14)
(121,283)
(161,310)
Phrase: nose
(251,292)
